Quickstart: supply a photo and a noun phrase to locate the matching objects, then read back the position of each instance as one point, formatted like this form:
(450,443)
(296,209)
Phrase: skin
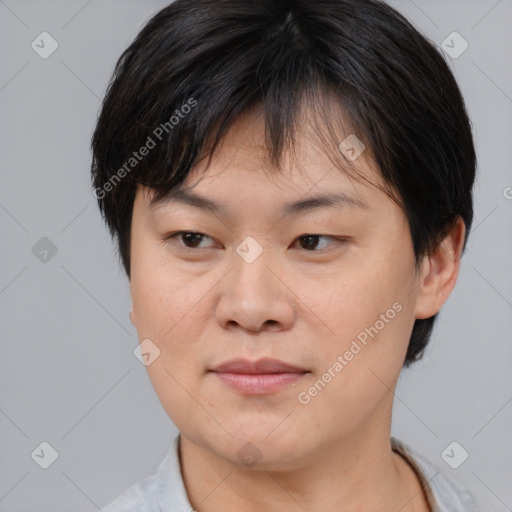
(304,305)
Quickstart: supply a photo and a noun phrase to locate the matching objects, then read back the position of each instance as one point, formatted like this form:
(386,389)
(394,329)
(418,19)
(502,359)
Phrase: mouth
(260,377)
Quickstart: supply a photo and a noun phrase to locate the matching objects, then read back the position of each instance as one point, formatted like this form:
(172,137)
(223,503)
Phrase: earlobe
(439,271)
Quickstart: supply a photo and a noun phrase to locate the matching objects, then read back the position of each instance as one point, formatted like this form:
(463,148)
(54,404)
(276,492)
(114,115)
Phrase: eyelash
(176,234)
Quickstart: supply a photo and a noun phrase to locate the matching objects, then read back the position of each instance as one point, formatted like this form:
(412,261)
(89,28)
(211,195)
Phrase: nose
(254,297)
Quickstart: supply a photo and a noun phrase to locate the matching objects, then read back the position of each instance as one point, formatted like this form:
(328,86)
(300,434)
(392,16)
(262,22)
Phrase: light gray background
(68,375)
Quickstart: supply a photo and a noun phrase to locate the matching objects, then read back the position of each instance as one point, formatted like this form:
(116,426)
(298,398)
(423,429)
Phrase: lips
(261,366)
(264,376)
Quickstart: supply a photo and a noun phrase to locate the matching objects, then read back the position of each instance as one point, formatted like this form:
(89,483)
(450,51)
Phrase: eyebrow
(331,199)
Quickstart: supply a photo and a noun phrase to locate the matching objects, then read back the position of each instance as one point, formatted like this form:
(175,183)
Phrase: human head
(357,66)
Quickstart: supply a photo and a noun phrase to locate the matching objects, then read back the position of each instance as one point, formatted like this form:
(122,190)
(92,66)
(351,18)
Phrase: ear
(439,271)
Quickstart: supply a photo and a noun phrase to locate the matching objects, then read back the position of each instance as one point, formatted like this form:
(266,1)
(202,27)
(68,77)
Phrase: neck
(357,473)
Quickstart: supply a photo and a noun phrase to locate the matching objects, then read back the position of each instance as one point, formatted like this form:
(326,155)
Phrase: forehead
(310,175)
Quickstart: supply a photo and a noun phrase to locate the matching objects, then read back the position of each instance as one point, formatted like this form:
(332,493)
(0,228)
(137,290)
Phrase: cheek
(370,314)
(158,293)
(170,313)
(171,308)
(359,366)
(351,302)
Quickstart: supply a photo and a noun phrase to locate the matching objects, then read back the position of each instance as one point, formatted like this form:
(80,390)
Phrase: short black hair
(197,65)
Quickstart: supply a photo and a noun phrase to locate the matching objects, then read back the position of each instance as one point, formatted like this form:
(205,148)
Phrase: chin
(262,446)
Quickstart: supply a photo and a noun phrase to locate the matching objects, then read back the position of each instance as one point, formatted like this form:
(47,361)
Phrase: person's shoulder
(139,497)
(163,490)
(444,493)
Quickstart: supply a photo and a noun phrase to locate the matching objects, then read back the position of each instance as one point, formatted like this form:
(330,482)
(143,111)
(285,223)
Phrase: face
(326,290)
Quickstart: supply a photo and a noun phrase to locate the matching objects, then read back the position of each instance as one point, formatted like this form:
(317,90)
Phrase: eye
(190,239)
(310,242)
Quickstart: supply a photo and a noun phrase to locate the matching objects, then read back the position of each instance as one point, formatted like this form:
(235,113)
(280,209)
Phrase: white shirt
(164,491)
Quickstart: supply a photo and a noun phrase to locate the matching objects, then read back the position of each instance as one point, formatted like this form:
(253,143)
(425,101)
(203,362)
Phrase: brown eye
(189,239)
(310,242)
